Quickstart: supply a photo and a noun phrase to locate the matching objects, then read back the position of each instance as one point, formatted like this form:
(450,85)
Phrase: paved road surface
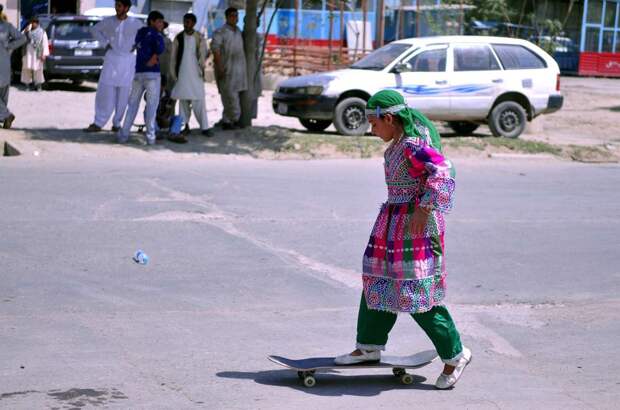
(251,258)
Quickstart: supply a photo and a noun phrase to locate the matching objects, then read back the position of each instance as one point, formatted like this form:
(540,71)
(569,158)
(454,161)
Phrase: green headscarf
(415,124)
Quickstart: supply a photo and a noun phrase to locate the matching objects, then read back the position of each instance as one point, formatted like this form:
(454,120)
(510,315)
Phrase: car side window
(474,57)
(428,61)
(516,57)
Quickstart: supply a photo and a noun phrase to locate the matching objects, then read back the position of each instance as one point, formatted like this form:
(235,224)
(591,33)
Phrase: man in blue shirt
(149,46)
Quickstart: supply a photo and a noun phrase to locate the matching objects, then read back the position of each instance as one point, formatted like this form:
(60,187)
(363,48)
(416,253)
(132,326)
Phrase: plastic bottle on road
(141,257)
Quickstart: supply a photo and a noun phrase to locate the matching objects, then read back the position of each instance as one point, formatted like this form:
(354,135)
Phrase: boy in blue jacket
(149,46)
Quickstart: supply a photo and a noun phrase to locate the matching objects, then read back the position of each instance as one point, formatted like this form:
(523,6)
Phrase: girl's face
(383,127)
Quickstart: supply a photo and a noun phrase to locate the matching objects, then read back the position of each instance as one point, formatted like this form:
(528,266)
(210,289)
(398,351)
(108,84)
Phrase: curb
(9,150)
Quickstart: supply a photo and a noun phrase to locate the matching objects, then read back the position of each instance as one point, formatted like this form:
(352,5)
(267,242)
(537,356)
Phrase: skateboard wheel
(309,381)
(398,372)
(406,378)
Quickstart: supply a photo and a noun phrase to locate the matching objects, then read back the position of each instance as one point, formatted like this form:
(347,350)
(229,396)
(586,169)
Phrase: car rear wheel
(507,119)
(463,127)
(315,125)
(350,116)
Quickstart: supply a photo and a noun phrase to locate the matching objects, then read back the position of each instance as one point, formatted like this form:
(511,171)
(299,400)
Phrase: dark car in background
(75,54)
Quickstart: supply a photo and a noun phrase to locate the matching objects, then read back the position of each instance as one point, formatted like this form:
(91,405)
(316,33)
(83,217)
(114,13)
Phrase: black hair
(190,16)
(230,11)
(154,15)
(126,3)
(34,19)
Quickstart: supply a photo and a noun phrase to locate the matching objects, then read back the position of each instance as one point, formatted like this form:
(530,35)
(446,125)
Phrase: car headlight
(310,90)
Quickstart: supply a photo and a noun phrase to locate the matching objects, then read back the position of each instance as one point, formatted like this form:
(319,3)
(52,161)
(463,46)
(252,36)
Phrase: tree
(249,46)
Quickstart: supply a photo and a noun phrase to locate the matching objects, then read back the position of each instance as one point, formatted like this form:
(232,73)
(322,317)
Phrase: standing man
(37,49)
(187,63)
(230,68)
(149,46)
(10,39)
(117,34)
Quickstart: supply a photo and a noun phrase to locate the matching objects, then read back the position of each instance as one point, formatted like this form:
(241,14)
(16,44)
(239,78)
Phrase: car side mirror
(402,68)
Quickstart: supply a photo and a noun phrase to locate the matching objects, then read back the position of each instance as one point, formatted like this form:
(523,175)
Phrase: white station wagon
(464,80)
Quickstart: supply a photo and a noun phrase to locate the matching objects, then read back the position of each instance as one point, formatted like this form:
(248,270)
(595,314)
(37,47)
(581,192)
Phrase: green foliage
(494,10)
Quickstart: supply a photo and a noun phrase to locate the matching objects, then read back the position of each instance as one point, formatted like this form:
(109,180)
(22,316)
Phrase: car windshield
(73,30)
(381,58)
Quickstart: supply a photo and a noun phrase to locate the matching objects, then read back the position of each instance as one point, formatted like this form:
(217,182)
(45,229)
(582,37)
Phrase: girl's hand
(418,222)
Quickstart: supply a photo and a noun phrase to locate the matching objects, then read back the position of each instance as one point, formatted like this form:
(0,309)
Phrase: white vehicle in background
(463,80)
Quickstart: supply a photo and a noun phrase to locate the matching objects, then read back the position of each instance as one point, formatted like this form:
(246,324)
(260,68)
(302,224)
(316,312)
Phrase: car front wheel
(507,119)
(350,116)
(463,127)
(315,125)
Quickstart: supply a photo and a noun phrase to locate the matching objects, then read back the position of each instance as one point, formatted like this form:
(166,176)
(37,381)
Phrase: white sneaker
(366,356)
(445,381)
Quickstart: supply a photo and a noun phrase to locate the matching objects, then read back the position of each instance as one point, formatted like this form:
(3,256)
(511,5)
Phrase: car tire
(315,125)
(463,127)
(350,116)
(507,119)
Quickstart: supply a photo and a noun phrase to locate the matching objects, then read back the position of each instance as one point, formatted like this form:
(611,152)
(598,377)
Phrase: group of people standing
(142,60)
(126,76)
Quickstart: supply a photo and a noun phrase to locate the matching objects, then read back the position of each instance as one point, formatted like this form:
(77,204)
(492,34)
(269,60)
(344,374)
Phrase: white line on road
(224,221)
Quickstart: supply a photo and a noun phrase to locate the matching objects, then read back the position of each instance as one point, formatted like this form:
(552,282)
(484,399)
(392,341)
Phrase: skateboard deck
(306,368)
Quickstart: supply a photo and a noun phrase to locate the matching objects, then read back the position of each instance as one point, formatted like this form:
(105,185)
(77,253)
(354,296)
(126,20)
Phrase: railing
(302,59)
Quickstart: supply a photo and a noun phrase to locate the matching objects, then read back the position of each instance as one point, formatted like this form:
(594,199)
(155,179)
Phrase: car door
(422,79)
(476,80)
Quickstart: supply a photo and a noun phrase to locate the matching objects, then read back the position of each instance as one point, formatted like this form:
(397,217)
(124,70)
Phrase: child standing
(403,267)
(149,46)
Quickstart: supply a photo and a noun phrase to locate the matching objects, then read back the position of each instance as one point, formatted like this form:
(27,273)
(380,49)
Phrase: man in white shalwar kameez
(36,50)
(230,68)
(117,34)
(187,61)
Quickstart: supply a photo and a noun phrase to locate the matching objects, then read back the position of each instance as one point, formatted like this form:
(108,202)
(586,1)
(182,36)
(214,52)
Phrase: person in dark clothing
(149,46)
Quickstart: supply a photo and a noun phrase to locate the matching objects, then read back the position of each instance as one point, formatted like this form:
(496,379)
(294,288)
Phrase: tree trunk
(249,46)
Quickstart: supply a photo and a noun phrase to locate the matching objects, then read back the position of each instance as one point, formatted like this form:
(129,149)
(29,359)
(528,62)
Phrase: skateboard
(306,368)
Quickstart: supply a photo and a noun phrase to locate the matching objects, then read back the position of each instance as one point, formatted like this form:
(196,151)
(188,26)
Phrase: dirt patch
(591,154)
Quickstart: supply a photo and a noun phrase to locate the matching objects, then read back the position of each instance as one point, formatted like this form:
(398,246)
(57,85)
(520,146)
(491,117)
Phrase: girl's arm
(438,175)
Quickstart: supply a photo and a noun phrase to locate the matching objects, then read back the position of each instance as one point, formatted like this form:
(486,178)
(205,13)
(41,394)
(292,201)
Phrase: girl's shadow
(332,382)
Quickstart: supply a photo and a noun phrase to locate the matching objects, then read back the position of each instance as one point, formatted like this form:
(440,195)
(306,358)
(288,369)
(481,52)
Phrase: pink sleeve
(438,172)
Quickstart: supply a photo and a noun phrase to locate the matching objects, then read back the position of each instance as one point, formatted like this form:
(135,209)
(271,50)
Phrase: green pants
(373,327)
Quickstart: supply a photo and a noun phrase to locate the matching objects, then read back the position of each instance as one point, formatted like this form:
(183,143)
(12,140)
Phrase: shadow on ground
(60,86)
(248,141)
(258,142)
(331,383)
(67,86)
(452,134)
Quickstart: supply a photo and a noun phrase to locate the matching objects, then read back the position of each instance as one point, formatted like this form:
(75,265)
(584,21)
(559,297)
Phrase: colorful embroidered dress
(402,273)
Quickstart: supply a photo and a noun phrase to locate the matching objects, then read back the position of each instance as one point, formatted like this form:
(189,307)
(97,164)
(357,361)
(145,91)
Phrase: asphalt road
(250,258)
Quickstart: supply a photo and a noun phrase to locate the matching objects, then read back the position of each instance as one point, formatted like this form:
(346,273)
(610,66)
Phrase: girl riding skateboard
(403,266)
